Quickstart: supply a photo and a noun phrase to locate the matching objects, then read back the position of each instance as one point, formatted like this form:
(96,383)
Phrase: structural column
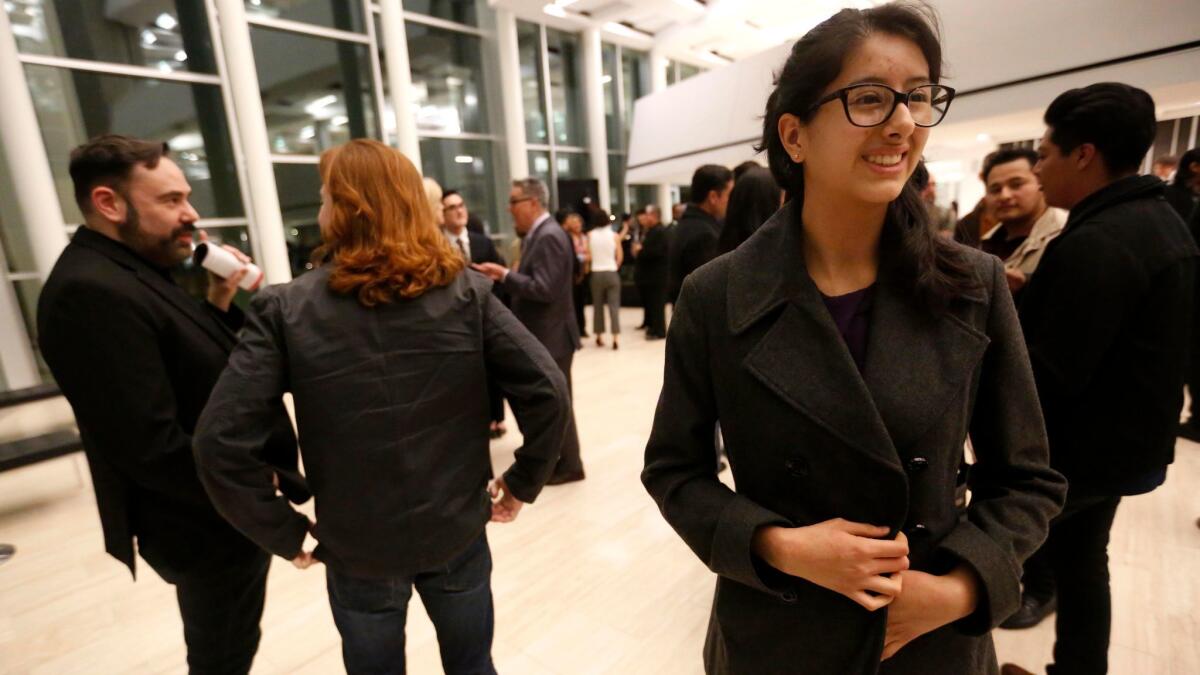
(266,219)
(593,105)
(399,78)
(512,105)
(658,81)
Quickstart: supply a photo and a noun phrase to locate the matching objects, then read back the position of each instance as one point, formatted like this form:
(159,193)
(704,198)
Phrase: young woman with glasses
(848,353)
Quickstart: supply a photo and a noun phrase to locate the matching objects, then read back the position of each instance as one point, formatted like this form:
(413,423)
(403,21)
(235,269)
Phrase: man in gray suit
(541,295)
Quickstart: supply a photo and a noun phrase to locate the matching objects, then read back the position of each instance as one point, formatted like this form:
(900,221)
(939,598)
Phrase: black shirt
(852,313)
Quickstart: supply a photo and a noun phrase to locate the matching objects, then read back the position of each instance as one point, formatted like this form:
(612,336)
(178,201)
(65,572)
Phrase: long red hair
(381,240)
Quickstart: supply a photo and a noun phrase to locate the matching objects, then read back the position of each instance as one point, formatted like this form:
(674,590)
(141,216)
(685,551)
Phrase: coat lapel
(162,286)
(801,357)
(916,363)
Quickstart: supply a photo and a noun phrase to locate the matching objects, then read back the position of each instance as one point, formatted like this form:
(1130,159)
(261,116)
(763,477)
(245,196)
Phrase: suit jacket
(693,243)
(137,357)
(1108,320)
(541,289)
(809,438)
(1029,254)
(650,268)
(483,249)
(392,406)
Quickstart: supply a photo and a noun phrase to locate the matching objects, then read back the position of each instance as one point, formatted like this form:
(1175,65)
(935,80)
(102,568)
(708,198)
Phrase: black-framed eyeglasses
(869,105)
(514,202)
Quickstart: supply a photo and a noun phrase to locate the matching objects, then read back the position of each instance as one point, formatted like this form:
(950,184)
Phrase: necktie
(462,249)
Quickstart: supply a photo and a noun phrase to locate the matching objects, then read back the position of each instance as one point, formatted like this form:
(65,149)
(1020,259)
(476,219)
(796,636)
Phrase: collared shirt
(461,242)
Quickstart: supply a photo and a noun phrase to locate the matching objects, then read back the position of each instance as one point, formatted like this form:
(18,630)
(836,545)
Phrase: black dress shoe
(1031,613)
(1014,669)
(1190,430)
(560,479)
(7,551)
(654,336)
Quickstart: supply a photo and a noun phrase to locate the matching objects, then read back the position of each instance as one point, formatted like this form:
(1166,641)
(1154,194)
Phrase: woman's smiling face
(866,164)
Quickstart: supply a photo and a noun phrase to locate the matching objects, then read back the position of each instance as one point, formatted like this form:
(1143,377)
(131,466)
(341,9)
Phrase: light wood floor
(589,579)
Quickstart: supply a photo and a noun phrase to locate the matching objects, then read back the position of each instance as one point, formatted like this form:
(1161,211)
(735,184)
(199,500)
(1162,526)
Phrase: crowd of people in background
(819,302)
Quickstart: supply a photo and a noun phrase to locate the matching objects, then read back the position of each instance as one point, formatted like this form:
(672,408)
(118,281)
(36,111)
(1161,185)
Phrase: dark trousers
(221,608)
(1077,551)
(370,614)
(579,297)
(569,461)
(654,305)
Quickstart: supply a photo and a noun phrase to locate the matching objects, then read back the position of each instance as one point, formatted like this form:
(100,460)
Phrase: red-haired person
(386,347)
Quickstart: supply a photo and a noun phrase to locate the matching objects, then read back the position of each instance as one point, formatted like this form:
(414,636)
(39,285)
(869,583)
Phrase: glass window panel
(672,72)
(572,165)
(27,292)
(318,101)
(539,166)
(566,92)
(533,85)
(340,14)
(194,279)
(608,78)
(73,106)
(466,166)
(447,80)
(687,70)
(299,188)
(170,35)
(1162,139)
(641,196)
(635,80)
(616,183)
(460,11)
(14,235)
(1185,134)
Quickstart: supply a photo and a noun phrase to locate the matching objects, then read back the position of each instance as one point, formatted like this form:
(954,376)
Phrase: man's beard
(162,251)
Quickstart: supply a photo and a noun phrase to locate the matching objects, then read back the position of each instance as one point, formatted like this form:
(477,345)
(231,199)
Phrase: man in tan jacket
(1026,223)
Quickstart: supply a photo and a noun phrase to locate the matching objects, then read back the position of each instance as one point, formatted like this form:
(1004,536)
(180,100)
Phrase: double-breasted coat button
(788,596)
(917,464)
(796,466)
(918,530)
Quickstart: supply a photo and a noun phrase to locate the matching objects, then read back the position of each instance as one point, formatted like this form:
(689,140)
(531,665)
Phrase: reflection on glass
(608,80)
(319,100)
(299,188)
(635,80)
(641,196)
(539,165)
(73,106)
(566,94)
(466,166)
(533,85)
(1164,133)
(168,35)
(571,165)
(459,11)
(687,70)
(447,80)
(340,14)
(194,278)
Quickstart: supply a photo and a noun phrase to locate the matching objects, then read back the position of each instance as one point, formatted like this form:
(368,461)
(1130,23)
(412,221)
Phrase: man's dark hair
(1116,118)
(452,191)
(1183,172)
(708,178)
(107,161)
(1005,156)
(743,168)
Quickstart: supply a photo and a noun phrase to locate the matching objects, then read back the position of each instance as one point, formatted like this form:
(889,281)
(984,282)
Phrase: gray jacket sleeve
(233,431)
(681,465)
(551,270)
(537,391)
(1014,490)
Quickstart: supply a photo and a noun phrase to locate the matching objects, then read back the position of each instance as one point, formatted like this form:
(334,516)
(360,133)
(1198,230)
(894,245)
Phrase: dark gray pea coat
(809,438)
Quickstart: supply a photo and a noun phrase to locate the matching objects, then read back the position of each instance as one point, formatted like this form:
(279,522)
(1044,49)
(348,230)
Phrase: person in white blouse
(605,246)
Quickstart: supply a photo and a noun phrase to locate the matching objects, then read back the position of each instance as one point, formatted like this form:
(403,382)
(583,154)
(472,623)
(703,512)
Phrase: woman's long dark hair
(1183,174)
(936,271)
(754,199)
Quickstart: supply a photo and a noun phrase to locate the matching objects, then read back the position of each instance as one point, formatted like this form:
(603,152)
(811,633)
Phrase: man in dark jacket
(541,296)
(1108,322)
(137,358)
(650,271)
(694,240)
(475,247)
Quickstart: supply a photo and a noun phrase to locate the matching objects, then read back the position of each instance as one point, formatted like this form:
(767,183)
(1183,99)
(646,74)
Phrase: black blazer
(693,243)
(808,438)
(1108,319)
(483,249)
(136,357)
(392,407)
(541,289)
(650,267)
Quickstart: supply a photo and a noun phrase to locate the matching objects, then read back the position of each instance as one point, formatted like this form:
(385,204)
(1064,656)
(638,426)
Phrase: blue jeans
(370,614)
